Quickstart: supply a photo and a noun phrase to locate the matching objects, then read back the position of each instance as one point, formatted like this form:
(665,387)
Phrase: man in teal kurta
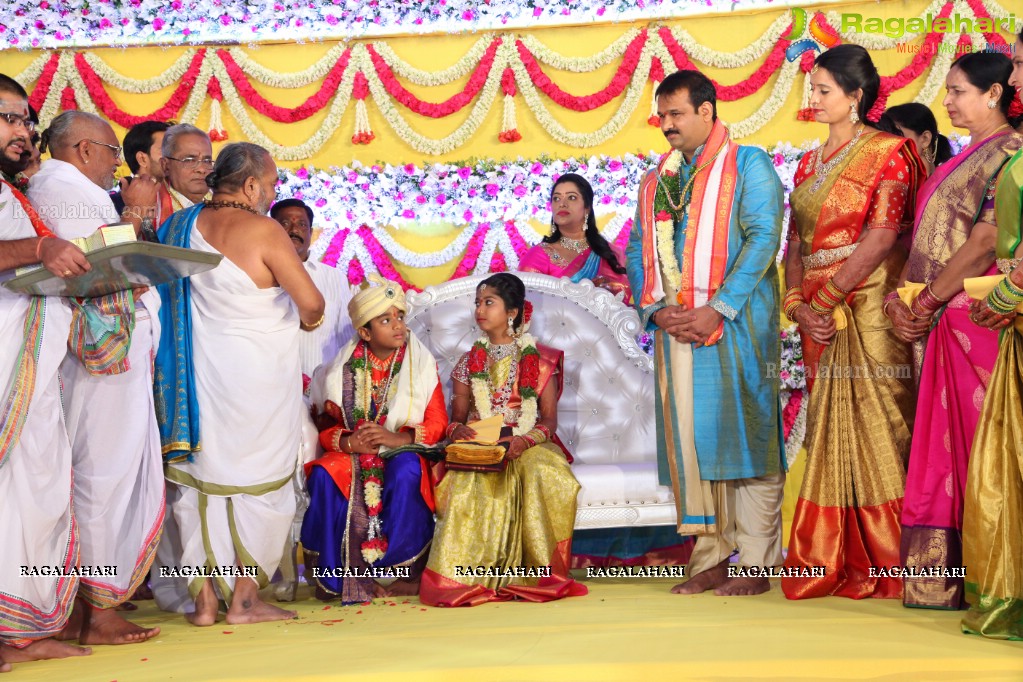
(701,261)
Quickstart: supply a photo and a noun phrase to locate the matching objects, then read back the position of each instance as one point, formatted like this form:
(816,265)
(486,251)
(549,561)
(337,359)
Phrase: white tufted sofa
(606,413)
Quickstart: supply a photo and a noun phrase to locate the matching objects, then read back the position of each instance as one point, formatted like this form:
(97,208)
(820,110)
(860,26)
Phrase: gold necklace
(683,205)
(823,169)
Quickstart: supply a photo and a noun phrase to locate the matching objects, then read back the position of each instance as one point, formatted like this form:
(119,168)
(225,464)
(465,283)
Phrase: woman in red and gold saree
(853,199)
(505,534)
(953,239)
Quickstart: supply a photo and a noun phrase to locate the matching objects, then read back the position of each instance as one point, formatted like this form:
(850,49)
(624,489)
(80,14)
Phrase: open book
(107,235)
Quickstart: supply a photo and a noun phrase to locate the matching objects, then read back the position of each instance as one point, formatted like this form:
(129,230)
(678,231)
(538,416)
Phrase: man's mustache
(669,132)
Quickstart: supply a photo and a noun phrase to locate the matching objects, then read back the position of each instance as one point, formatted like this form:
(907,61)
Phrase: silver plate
(119,267)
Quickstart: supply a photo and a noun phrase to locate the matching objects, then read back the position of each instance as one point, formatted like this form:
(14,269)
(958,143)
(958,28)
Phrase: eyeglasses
(115,148)
(15,119)
(193,162)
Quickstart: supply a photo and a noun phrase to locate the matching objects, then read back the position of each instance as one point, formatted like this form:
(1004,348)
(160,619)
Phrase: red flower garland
(620,81)
(447,107)
(42,88)
(380,259)
(745,88)
(316,102)
(478,361)
(529,374)
(94,85)
(67,99)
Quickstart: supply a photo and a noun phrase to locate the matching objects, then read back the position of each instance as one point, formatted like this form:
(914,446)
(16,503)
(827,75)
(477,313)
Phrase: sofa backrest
(606,412)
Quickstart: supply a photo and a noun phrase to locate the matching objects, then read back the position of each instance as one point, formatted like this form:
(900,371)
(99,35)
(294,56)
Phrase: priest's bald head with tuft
(244,173)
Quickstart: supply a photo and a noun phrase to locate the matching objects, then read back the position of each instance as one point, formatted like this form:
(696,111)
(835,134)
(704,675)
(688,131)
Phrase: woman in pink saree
(575,248)
(953,238)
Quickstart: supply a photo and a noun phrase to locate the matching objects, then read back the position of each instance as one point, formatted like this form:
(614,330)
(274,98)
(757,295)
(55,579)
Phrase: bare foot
(743,586)
(105,626)
(206,607)
(247,607)
(42,650)
(704,580)
(380,591)
(254,610)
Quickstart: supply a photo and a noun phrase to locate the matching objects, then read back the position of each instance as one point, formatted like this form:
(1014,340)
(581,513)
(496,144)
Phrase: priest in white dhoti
(229,389)
(108,380)
(316,348)
(37,529)
(186,159)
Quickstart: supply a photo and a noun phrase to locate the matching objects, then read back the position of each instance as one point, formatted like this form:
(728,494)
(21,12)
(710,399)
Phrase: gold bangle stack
(793,299)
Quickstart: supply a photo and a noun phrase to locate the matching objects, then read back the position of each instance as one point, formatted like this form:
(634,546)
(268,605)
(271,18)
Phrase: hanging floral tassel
(217,131)
(68,102)
(806,66)
(509,124)
(363,132)
(656,76)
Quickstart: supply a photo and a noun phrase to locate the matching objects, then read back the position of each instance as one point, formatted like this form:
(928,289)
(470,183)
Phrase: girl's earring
(853,116)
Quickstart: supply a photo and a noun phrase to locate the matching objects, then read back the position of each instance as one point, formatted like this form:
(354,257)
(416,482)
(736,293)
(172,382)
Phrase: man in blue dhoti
(701,261)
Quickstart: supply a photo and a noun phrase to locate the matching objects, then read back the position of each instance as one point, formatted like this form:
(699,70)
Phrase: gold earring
(511,326)
(853,116)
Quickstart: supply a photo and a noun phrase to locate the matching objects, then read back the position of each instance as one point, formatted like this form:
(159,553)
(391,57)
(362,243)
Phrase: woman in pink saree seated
(953,239)
(575,248)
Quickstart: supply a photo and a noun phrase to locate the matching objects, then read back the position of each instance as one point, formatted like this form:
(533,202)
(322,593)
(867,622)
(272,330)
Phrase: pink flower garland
(449,106)
(791,411)
(620,81)
(517,242)
(315,102)
(472,252)
(334,249)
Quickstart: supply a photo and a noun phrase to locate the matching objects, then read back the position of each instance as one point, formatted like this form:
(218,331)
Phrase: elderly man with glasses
(187,160)
(108,383)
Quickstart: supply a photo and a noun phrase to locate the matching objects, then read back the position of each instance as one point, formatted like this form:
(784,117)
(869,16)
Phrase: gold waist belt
(1007,265)
(825,257)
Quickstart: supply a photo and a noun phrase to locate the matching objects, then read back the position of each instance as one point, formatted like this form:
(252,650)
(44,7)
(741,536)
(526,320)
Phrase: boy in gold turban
(378,405)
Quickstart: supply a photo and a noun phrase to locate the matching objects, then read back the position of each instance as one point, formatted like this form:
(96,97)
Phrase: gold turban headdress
(373,301)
